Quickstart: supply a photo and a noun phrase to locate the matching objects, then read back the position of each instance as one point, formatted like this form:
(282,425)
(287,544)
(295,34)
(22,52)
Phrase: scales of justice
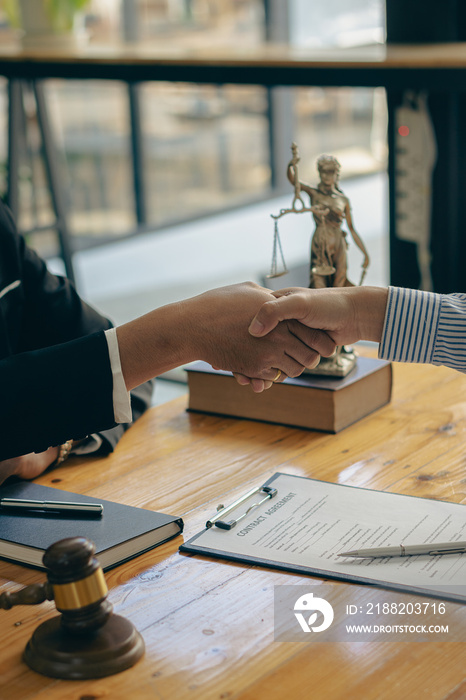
(329,207)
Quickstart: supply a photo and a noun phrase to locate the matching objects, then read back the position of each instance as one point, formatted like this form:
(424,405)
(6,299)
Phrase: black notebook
(123,532)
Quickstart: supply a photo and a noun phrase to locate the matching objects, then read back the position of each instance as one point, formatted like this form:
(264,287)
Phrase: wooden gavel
(87,640)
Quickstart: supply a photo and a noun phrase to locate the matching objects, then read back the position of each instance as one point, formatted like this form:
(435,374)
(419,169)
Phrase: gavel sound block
(87,640)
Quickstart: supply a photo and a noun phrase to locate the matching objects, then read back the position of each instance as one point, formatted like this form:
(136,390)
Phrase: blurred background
(214,166)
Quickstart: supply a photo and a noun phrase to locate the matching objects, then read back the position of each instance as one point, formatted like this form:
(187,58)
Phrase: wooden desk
(208,625)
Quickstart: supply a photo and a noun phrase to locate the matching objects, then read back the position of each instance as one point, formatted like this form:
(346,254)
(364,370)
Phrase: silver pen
(55,506)
(409,550)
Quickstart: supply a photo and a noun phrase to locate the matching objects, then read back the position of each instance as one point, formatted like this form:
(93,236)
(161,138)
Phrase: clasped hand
(214,327)
(222,319)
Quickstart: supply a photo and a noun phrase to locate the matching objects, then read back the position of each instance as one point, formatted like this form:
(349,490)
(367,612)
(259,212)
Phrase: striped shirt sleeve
(425,327)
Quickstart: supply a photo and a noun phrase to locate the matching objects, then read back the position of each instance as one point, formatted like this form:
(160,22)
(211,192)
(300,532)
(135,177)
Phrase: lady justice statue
(328,267)
(328,264)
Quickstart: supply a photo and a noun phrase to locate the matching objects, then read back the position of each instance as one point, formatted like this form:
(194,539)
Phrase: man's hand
(346,314)
(28,466)
(214,327)
(219,329)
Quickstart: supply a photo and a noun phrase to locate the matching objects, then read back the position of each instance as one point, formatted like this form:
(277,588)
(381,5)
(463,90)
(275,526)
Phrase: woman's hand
(346,314)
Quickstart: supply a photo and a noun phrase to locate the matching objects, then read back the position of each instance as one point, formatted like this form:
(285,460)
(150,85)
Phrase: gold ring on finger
(277,376)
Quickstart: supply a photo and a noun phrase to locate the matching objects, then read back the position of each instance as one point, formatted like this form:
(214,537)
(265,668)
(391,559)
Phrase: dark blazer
(55,376)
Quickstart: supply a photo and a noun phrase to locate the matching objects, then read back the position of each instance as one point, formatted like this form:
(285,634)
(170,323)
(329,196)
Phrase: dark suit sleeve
(55,373)
(60,393)
(55,394)
(56,309)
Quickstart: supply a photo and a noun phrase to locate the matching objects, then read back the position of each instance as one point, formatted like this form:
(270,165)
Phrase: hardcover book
(328,404)
(122,533)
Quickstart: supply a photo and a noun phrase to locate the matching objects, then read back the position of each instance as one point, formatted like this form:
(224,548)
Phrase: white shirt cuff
(121,396)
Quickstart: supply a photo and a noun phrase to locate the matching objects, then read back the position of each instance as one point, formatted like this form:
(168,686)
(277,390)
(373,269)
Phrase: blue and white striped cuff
(450,347)
(410,326)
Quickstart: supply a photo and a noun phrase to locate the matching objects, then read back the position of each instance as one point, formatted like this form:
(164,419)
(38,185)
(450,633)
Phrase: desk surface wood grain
(207,624)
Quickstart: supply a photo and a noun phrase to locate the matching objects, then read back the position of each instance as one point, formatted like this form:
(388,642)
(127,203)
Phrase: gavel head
(78,584)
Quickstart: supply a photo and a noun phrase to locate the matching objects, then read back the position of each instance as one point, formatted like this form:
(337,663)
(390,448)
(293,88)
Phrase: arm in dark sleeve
(55,394)
(69,316)
(41,321)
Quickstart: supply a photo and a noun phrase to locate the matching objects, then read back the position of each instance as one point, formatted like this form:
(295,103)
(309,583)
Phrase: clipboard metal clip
(222,510)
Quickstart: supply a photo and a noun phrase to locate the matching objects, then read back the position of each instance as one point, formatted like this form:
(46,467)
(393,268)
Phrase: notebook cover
(118,524)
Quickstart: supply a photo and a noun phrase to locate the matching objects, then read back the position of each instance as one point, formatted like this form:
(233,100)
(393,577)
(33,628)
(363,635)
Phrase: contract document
(307,523)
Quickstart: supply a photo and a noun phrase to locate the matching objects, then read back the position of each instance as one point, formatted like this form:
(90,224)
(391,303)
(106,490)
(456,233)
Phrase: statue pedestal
(339,365)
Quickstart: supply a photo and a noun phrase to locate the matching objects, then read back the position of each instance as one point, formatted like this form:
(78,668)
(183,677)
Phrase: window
(206,147)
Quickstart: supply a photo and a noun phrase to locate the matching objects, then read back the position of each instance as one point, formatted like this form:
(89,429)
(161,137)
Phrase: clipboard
(306,522)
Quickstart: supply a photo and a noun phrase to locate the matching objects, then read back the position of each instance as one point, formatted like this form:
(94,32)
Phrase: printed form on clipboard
(301,525)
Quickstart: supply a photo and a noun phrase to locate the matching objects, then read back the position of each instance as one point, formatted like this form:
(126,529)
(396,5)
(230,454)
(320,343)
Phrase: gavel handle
(30,595)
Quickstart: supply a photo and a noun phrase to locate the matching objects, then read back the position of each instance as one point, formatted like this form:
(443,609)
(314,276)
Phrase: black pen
(54,506)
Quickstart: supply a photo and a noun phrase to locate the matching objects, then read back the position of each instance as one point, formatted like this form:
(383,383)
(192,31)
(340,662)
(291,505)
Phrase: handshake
(259,335)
